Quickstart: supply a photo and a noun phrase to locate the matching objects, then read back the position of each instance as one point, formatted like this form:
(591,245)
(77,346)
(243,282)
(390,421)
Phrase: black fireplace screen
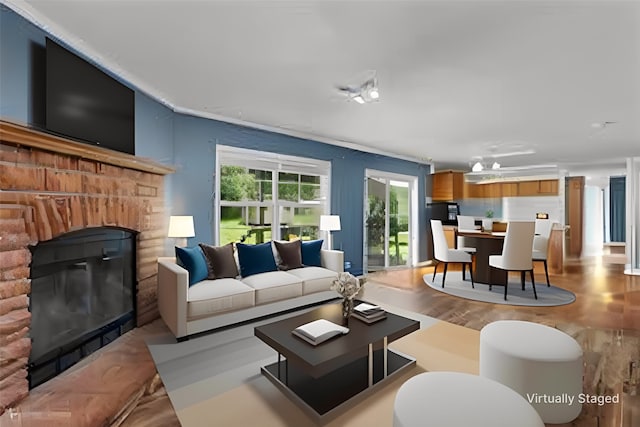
(82,297)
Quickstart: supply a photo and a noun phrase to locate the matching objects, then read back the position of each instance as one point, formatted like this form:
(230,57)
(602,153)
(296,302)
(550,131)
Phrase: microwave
(447,212)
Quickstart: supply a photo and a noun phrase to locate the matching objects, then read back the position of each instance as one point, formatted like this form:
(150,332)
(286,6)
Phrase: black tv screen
(84,103)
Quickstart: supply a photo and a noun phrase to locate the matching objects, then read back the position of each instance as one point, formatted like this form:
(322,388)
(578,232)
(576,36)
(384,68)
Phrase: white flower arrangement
(347,285)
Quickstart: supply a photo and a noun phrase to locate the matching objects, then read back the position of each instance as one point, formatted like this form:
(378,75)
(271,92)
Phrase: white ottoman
(541,363)
(454,399)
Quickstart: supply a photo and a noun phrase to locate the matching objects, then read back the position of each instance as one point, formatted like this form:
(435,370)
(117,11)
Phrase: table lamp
(181,227)
(329,223)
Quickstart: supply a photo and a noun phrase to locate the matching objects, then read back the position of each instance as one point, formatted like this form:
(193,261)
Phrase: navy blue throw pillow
(311,253)
(255,259)
(193,260)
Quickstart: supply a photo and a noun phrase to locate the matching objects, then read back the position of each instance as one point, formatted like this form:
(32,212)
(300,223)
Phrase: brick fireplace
(50,186)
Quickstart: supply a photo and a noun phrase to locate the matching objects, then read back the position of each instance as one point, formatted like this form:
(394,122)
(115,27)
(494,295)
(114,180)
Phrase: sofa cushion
(255,259)
(314,279)
(215,296)
(311,253)
(220,261)
(290,254)
(192,259)
(274,286)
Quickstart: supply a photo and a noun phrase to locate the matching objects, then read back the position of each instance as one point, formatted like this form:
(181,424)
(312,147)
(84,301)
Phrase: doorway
(390,212)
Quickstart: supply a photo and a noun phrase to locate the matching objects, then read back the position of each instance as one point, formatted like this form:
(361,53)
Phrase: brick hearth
(50,186)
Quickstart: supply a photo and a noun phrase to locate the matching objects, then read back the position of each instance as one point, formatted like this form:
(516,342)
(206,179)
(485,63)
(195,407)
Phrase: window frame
(276,164)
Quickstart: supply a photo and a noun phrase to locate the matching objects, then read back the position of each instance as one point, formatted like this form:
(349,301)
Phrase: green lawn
(232,230)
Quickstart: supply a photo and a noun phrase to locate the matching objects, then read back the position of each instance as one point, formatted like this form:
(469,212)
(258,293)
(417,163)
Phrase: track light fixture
(368,92)
(481,162)
(365,93)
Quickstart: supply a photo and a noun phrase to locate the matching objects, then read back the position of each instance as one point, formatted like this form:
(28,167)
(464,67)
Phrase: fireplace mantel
(25,136)
(49,186)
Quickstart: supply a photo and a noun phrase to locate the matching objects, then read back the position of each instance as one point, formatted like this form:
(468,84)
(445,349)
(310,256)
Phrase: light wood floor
(605,318)
(606,298)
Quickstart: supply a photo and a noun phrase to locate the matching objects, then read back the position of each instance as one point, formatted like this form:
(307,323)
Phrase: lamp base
(181,242)
(329,241)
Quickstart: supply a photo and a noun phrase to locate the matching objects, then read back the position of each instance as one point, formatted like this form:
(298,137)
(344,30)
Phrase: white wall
(525,208)
(593,221)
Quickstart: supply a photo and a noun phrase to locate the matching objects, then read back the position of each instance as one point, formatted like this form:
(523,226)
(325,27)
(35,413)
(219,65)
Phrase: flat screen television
(84,103)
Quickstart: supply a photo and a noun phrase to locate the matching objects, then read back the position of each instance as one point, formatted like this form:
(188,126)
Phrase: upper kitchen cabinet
(546,187)
(549,186)
(509,189)
(448,186)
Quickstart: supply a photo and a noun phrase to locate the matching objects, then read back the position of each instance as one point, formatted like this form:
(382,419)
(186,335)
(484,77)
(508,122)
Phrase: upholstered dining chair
(465,223)
(443,253)
(517,252)
(541,243)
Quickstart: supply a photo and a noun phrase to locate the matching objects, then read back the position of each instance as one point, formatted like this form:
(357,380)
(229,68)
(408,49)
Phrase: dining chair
(517,252)
(541,243)
(442,253)
(465,223)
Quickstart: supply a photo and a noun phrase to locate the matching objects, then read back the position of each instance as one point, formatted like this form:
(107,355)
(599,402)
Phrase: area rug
(547,296)
(216,380)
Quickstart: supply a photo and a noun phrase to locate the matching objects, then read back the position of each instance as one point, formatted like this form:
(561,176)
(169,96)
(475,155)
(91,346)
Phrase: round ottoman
(541,363)
(454,399)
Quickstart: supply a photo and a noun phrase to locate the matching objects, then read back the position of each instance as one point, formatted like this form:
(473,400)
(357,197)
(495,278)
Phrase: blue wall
(22,88)
(189,143)
(195,157)
(21,51)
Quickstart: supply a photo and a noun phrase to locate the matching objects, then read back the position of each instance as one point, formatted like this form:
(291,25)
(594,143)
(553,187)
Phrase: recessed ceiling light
(477,167)
(359,99)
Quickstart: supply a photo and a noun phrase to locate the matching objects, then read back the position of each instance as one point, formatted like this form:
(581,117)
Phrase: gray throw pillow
(290,254)
(220,261)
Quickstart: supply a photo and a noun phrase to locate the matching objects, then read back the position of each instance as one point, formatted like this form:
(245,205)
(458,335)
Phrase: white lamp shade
(181,226)
(330,222)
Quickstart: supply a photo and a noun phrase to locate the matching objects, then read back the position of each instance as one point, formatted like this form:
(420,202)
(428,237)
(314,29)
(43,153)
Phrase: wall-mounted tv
(84,103)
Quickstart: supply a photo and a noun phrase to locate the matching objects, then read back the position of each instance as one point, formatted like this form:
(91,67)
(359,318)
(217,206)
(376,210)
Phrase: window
(264,196)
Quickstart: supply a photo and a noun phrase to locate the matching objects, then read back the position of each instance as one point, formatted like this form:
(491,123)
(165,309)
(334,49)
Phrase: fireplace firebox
(82,297)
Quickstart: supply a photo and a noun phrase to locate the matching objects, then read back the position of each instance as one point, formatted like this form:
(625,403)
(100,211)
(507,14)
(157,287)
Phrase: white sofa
(212,304)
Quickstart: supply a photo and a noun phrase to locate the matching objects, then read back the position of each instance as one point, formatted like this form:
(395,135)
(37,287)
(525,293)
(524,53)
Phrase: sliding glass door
(389,220)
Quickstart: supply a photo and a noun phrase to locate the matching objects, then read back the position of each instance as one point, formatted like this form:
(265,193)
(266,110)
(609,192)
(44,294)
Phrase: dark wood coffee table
(325,379)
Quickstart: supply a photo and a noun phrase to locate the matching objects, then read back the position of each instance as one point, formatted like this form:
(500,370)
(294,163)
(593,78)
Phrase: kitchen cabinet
(555,256)
(447,186)
(474,191)
(509,189)
(528,188)
(547,187)
(493,190)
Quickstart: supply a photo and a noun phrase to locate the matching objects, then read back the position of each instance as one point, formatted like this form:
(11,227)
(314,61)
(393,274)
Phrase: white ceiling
(457,79)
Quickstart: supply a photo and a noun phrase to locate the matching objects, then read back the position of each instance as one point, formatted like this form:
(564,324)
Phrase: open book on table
(319,331)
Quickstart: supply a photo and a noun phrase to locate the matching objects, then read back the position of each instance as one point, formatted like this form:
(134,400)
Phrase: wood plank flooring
(605,298)
(605,319)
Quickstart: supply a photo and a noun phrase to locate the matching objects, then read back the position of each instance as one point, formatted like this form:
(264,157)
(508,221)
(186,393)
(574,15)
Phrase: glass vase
(347,308)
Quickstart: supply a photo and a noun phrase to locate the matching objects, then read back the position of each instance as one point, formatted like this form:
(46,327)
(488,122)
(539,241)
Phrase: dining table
(486,243)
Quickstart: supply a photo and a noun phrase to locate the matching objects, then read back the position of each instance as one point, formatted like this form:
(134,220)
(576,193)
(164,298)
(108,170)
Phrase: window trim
(276,163)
